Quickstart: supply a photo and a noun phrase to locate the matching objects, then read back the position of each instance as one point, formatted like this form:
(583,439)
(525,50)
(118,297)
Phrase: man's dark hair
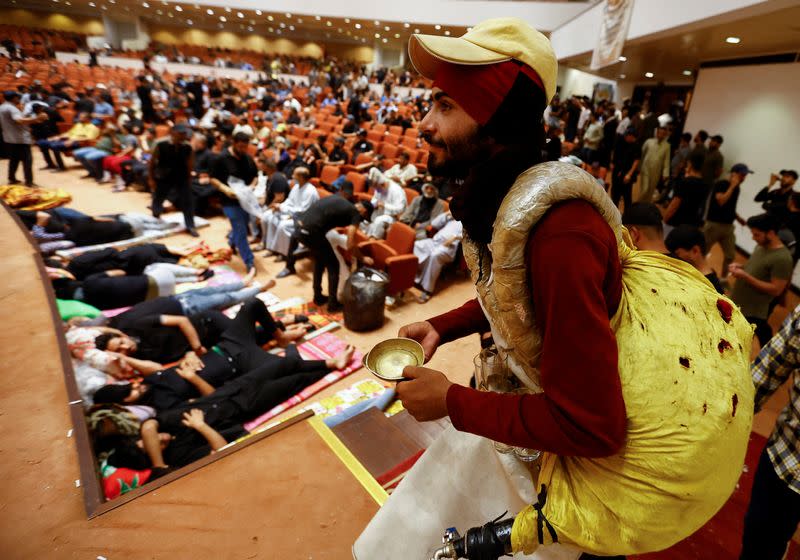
(703,135)
(764,222)
(685,237)
(101,341)
(241,137)
(517,127)
(686,136)
(367,205)
(643,214)
(696,159)
(347,189)
(717,138)
(112,393)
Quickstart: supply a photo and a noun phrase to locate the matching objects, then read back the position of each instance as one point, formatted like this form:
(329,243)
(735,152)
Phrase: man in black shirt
(235,161)
(688,203)
(314,225)
(624,166)
(362,145)
(775,201)
(277,184)
(338,155)
(688,243)
(45,129)
(145,94)
(201,173)
(170,168)
(722,213)
(84,103)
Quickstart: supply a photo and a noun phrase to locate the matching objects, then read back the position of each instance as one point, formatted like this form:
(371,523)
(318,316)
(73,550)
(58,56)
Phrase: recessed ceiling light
(437,27)
(733,40)
(687,72)
(340,30)
(270,18)
(278,32)
(291,28)
(190,22)
(145,4)
(623,58)
(240,15)
(377,22)
(299,20)
(104,7)
(317,18)
(228,9)
(377,35)
(385,40)
(406,25)
(622,76)
(92,4)
(282,25)
(396,35)
(271,29)
(358,26)
(223,19)
(259,12)
(288,15)
(169,14)
(159,12)
(347,20)
(178,9)
(416,30)
(648,74)
(210,12)
(447,32)
(469,29)
(328,23)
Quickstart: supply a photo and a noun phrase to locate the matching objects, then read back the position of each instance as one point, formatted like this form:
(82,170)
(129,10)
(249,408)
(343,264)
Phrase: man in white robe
(435,252)
(279,219)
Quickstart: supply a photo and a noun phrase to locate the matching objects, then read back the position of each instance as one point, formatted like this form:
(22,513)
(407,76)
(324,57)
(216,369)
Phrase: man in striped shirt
(774,510)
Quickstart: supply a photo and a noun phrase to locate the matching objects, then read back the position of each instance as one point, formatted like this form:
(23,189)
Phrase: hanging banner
(613,32)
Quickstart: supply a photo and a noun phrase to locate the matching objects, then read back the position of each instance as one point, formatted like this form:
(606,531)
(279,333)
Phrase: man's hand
(194,419)
(186,371)
(736,270)
(425,395)
(200,350)
(424,333)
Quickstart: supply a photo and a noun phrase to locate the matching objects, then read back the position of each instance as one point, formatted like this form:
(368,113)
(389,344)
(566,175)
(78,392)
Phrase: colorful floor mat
(323,346)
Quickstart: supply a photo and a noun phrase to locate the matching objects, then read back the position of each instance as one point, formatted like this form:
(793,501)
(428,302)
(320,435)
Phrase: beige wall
(225,39)
(356,53)
(51,20)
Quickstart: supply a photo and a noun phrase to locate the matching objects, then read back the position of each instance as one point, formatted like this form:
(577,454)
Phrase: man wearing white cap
(389,201)
(607,347)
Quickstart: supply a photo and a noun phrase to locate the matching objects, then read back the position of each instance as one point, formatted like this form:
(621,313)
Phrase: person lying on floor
(179,436)
(197,377)
(155,337)
(133,260)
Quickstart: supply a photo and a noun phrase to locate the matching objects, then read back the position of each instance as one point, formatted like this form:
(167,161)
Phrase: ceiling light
(622,76)
(223,19)
(437,27)
(240,15)
(228,9)
(291,28)
(270,18)
(317,18)
(358,26)
(687,72)
(385,40)
(623,58)
(145,4)
(386,28)
(299,20)
(339,30)
(377,22)
(278,32)
(648,74)
(210,12)
(169,14)
(347,20)
(396,35)
(282,25)
(190,22)
(328,23)
(113,1)
(92,4)
(271,29)
(416,31)
(406,25)
(469,29)
(377,35)
(349,33)
(178,9)
(288,15)
(159,12)
(447,32)
(104,7)
(259,12)
(733,40)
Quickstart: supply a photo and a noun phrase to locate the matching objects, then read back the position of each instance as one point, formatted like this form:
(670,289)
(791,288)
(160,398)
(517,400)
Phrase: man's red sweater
(576,282)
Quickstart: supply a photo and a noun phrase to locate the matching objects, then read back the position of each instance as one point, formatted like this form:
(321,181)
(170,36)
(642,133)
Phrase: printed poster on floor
(613,32)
